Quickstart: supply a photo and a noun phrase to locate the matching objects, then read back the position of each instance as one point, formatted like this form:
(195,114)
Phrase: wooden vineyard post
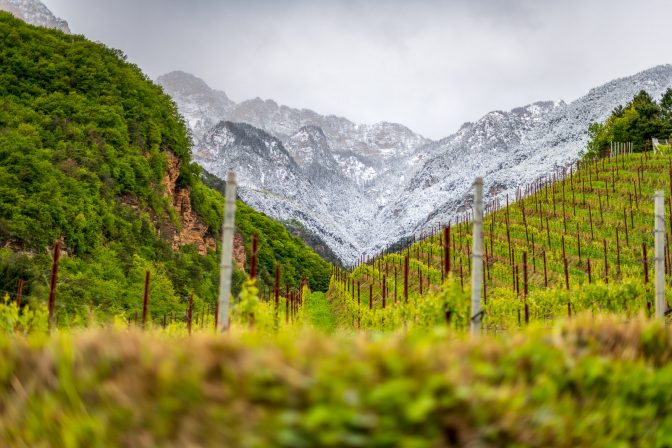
(384,289)
(534,258)
(359,305)
(19,293)
(406,279)
(545,271)
(216,315)
(669,203)
(226,265)
(527,310)
(645,264)
(287,303)
(52,285)
(395,284)
(625,220)
(516,281)
(548,234)
(485,291)
(277,291)
(564,260)
(290,301)
(477,258)
(659,260)
(190,311)
(606,262)
(253,262)
(590,276)
(667,255)
(145,301)
(564,215)
(371,295)
(508,239)
(446,250)
(513,271)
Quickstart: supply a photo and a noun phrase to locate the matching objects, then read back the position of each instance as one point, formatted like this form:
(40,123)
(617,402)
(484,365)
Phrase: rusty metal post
(52,286)
(253,262)
(19,293)
(145,300)
(190,311)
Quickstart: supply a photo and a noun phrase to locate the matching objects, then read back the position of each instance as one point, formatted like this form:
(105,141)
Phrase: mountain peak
(186,84)
(35,13)
(201,106)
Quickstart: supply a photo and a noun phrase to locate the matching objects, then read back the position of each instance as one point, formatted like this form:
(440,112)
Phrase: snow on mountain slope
(509,149)
(271,181)
(361,187)
(35,13)
(201,106)
(310,149)
(360,150)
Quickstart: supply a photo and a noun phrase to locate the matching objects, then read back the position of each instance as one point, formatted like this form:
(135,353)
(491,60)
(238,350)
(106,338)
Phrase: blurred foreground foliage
(585,382)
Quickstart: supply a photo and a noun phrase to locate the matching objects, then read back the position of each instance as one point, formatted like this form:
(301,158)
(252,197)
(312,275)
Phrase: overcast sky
(431,65)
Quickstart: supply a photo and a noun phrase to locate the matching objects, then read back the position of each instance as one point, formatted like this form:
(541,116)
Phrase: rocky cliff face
(35,13)
(239,255)
(191,230)
(361,187)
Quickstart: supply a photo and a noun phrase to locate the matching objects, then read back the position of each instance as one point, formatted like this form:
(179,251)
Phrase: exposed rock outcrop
(192,229)
(239,256)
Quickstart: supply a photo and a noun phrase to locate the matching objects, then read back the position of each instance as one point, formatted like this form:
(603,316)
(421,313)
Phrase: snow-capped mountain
(508,149)
(201,106)
(362,151)
(270,180)
(361,187)
(35,13)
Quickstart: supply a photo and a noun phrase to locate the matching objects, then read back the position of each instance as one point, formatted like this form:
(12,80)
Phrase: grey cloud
(429,64)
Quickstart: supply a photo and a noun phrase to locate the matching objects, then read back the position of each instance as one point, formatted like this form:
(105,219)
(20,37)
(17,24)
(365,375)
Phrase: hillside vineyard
(581,241)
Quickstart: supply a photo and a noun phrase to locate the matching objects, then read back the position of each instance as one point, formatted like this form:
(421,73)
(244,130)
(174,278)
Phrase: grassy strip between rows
(585,382)
(319,313)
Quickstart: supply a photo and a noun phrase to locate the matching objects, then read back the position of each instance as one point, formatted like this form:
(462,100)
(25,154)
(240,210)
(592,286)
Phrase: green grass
(318,311)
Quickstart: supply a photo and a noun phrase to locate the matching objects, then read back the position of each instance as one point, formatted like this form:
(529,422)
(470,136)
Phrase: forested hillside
(94,155)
